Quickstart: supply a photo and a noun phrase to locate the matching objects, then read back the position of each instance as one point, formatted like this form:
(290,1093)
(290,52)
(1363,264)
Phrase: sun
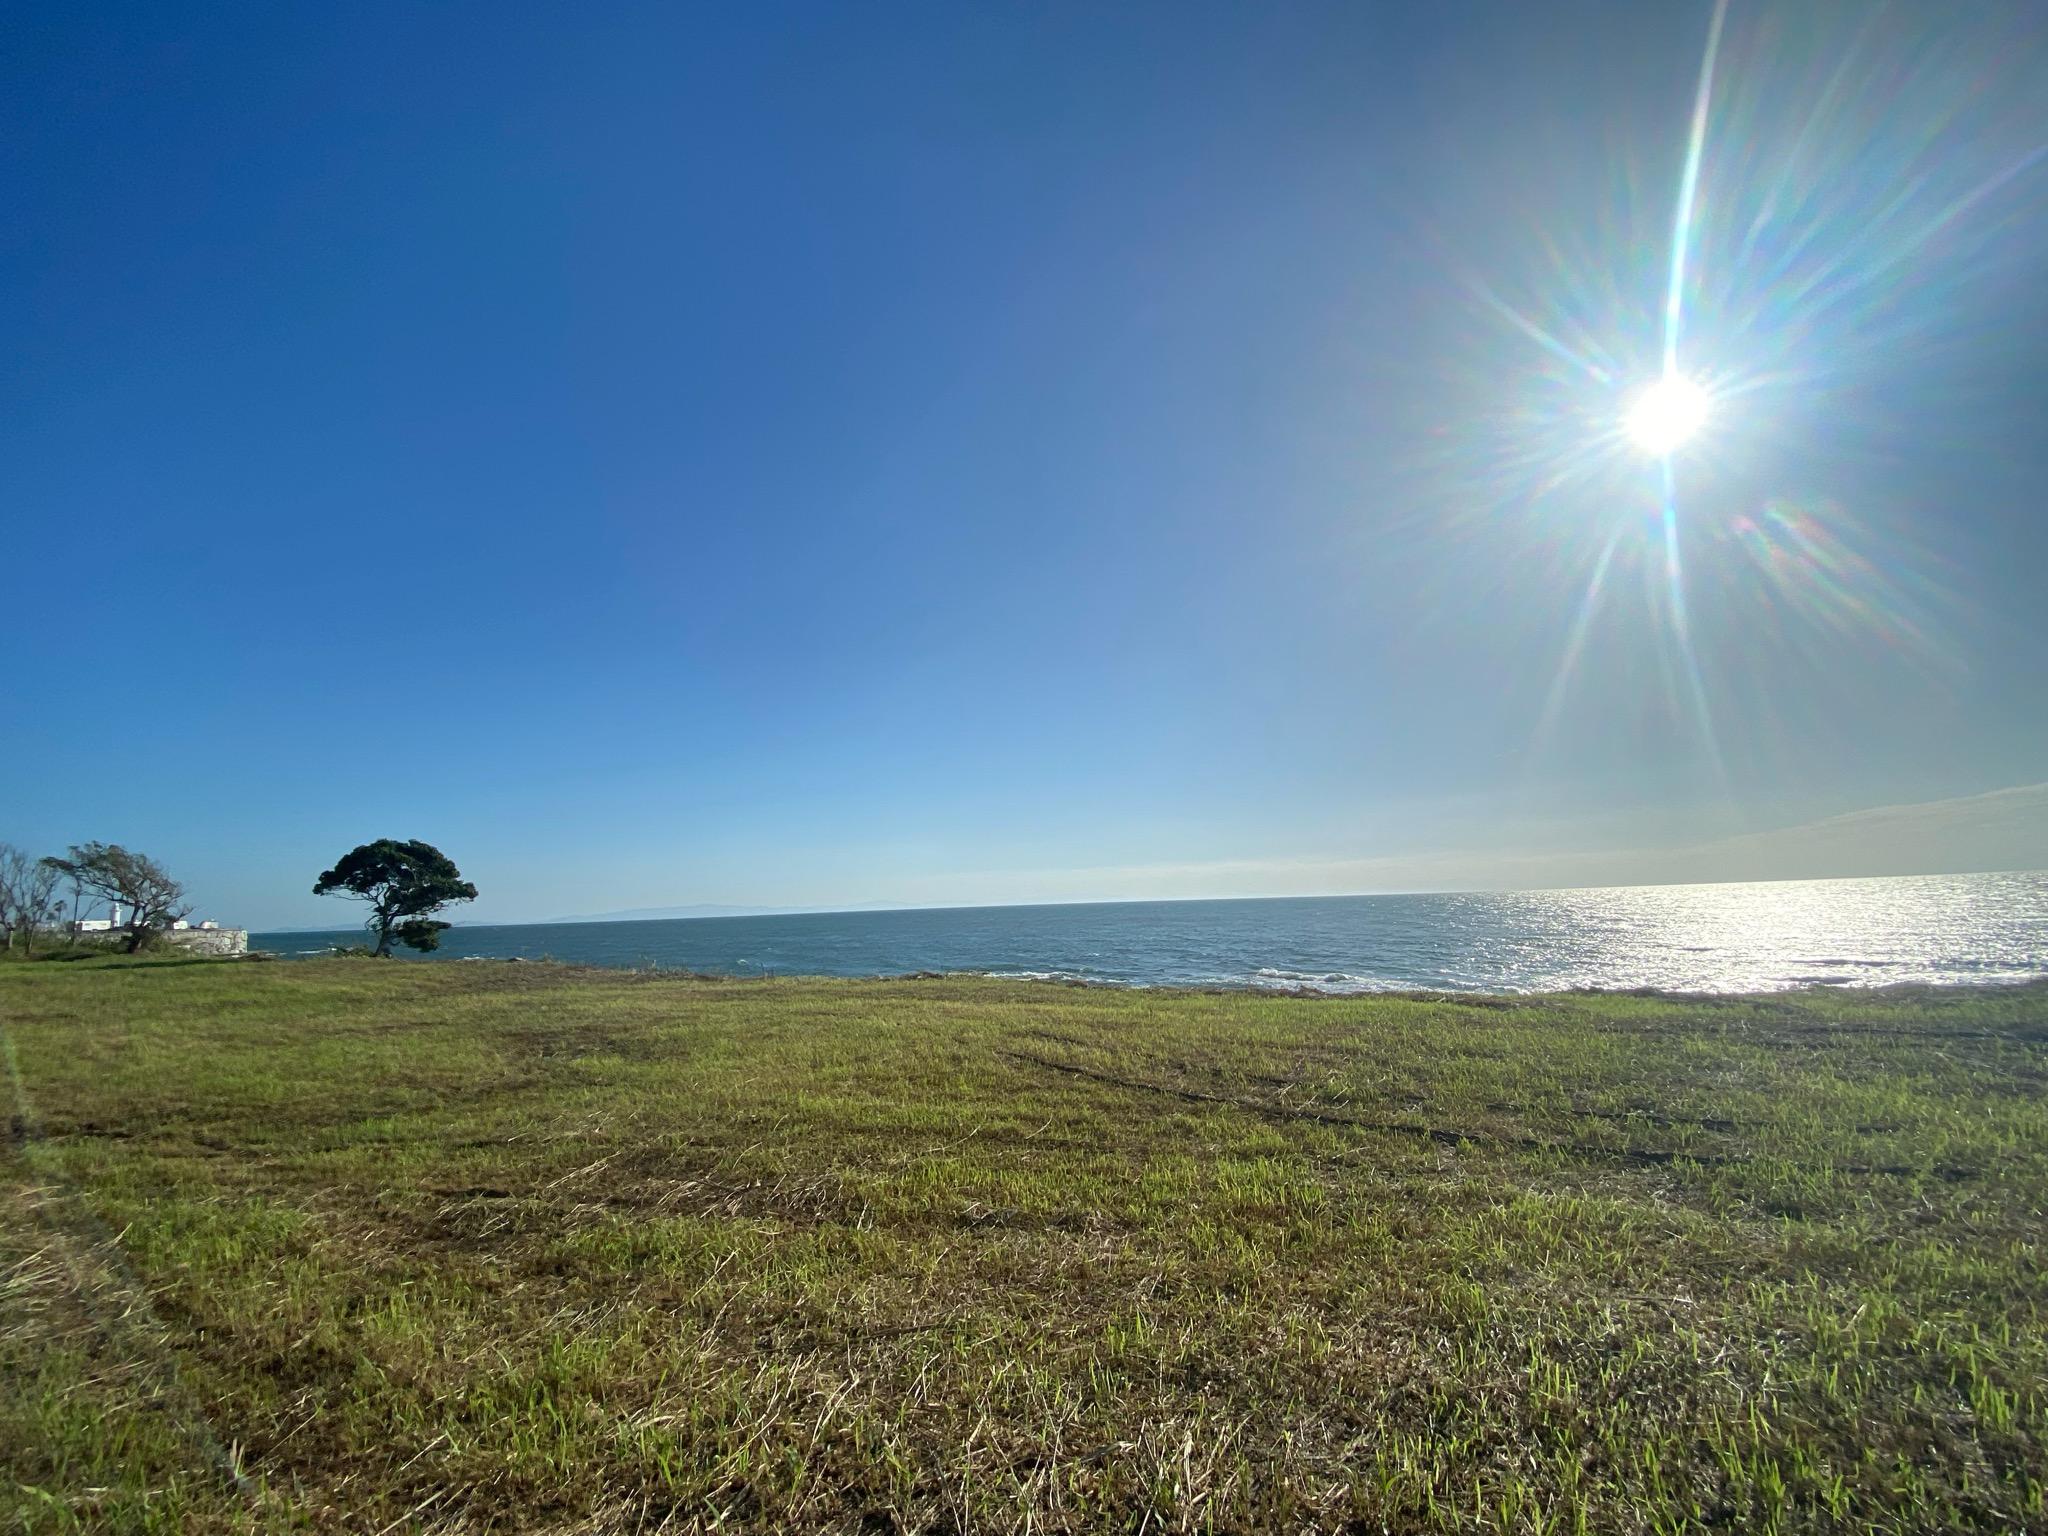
(1665,414)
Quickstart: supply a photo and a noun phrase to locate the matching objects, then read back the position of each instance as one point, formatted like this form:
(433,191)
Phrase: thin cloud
(2002,829)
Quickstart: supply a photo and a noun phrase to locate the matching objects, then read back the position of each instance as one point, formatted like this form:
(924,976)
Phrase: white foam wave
(1277,978)
(1079,977)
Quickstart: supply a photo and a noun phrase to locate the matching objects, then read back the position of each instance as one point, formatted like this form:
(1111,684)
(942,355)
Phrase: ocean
(1942,929)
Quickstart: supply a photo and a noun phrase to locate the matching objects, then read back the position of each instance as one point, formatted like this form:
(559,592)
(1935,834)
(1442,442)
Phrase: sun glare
(1664,415)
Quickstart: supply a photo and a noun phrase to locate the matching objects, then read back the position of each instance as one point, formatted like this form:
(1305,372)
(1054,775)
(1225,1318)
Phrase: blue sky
(805,455)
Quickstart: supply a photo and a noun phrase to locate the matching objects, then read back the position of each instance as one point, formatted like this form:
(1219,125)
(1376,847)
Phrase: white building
(113,921)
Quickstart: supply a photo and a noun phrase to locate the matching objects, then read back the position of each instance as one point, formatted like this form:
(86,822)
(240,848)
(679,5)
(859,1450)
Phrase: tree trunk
(384,935)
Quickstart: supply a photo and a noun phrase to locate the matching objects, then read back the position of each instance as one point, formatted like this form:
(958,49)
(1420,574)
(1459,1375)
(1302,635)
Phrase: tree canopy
(27,888)
(134,880)
(403,883)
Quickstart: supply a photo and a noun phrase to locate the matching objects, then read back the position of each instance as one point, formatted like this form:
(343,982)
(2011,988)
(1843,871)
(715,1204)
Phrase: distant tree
(403,883)
(28,887)
(70,877)
(131,880)
(12,862)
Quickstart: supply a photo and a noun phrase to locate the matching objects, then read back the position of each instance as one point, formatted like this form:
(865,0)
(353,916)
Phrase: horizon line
(1155,901)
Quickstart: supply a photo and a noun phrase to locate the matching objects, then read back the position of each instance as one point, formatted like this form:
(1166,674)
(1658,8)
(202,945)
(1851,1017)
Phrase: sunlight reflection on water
(1707,938)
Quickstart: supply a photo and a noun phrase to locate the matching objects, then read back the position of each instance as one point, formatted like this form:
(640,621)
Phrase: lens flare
(1663,489)
(1666,415)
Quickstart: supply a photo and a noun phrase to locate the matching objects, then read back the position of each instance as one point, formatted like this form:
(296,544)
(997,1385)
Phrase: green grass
(354,1246)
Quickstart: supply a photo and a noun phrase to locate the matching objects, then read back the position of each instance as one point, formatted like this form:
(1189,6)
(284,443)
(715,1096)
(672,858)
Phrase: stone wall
(210,941)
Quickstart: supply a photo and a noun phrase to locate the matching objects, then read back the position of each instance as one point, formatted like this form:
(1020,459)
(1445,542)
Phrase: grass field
(358,1246)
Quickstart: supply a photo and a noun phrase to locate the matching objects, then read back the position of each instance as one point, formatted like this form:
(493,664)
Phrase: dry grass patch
(524,1248)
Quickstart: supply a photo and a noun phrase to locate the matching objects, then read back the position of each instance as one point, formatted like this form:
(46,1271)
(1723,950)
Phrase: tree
(403,883)
(421,933)
(12,862)
(59,871)
(27,888)
(131,880)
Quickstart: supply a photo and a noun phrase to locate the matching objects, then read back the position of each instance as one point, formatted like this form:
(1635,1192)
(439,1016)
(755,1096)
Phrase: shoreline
(1253,987)
(1222,987)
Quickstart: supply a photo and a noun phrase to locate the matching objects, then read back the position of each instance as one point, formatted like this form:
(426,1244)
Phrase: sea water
(1703,938)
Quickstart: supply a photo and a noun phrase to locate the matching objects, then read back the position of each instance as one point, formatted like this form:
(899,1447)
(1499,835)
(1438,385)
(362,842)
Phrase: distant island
(702,909)
(712,909)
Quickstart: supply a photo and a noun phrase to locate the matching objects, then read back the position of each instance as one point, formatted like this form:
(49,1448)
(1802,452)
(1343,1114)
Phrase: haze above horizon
(959,456)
